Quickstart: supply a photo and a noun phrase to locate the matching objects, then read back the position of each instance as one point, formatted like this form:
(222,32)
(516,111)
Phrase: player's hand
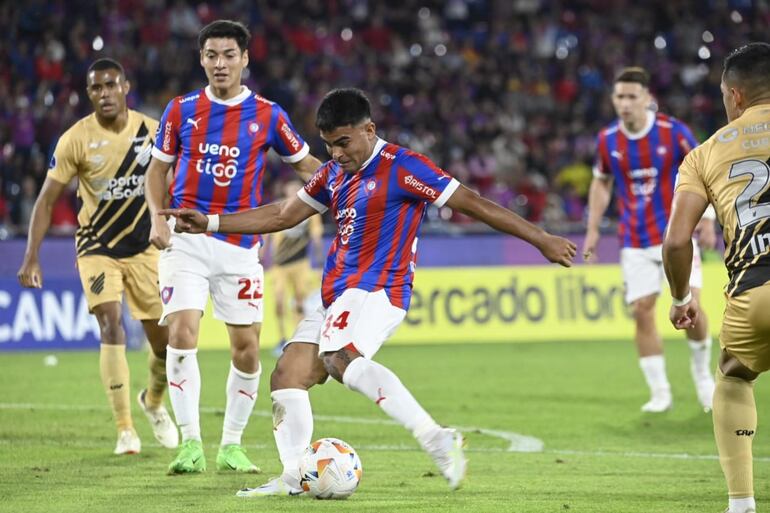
(558,250)
(30,276)
(188,220)
(685,316)
(589,246)
(160,235)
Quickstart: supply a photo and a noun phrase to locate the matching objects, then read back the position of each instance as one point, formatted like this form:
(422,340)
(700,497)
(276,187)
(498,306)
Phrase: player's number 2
(747,204)
(250,289)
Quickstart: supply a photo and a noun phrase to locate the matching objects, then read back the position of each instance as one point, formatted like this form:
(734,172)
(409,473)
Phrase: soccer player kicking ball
(730,171)
(378,193)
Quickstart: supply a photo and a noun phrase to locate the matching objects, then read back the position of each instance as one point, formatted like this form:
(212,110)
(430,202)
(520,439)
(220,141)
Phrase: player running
(108,151)
(378,194)
(640,152)
(217,138)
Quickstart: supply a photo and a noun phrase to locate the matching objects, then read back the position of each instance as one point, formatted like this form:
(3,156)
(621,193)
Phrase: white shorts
(364,319)
(196,266)
(643,271)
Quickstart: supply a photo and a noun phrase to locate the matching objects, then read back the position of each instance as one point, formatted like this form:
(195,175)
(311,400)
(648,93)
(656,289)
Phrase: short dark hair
(749,66)
(342,107)
(634,74)
(105,64)
(228,29)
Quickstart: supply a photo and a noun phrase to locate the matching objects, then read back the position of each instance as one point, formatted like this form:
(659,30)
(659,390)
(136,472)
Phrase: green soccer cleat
(232,458)
(190,459)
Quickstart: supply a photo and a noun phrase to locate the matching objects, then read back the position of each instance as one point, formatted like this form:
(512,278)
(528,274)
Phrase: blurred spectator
(500,93)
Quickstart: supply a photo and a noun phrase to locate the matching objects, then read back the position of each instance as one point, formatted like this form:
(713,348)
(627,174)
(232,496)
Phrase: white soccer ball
(330,469)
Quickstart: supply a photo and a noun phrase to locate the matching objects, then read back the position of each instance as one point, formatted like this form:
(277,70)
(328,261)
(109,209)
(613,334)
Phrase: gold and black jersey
(110,167)
(732,171)
(292,245)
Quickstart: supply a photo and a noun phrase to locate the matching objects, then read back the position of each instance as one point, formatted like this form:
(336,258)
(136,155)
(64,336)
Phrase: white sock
(184,390)
(292,429)
(700,357)
(382,386)
(654,370)
(241,393)
(742,505)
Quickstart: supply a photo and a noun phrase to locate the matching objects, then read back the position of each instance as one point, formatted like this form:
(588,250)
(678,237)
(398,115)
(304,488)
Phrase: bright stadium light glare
(74,99)
(704,53)
(415,50)
(562,52)
(424,13)
(736,17)
(98,43)
(346,34)
(440,50)
(660,42)
(245,74)
(708,37)
(48,99)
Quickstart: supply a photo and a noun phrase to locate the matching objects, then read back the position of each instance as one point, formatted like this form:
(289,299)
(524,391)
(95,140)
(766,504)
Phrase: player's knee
(110,329)
(335,365)
(183,337)
(643,308)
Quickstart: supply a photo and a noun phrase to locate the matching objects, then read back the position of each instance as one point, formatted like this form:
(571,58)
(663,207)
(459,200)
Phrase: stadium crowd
(507,95)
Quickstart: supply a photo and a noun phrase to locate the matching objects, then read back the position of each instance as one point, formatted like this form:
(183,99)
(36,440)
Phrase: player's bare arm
(155,192)
(556,249)
(686,211)
(270,218)
(306,167)
(599,196)
(30,275)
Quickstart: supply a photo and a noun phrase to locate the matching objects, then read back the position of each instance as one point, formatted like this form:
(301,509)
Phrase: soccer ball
(330,469)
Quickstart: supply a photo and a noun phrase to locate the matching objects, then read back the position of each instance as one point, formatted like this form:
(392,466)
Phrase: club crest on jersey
(370,186)
(253,128)
(165,294)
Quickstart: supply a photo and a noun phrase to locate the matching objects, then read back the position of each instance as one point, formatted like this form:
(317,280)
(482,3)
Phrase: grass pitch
(581,400)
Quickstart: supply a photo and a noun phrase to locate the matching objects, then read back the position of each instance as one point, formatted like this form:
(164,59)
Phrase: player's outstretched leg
(382,386)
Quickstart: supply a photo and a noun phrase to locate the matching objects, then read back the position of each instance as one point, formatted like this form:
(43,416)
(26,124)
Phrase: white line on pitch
(518,442)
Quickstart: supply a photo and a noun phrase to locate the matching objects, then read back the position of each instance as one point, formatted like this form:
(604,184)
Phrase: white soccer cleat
(276,486)
(128,442)
(163,427)
(446,449)
(658,403)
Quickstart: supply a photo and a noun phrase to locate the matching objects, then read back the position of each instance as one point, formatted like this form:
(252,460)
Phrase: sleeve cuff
(310,200)
(450,189)
(301,154)
(163,157)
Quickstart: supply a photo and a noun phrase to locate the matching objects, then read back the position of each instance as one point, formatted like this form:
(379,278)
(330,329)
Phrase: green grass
(582,399)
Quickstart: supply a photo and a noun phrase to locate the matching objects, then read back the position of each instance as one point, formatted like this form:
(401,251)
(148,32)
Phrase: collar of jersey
(641,133)
(377,147)
(235,100)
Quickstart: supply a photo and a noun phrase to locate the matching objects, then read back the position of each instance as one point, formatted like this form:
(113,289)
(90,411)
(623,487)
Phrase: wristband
(213,225)
(681,302)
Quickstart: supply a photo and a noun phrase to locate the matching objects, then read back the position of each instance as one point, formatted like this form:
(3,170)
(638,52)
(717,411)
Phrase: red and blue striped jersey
(220,148)
(378,210)
(644,167)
